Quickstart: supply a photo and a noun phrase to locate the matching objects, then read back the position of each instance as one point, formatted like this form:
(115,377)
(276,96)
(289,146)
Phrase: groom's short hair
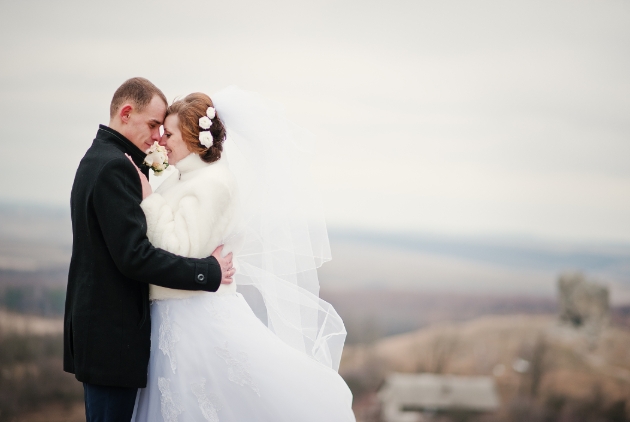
(140,91)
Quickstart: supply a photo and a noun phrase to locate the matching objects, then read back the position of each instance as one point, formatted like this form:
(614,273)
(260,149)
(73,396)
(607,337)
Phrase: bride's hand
(146,187)
(227,270)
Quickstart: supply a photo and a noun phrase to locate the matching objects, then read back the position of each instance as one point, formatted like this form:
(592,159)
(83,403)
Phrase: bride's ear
(124,112)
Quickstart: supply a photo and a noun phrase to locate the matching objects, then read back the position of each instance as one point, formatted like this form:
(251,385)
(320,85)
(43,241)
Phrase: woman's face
(172,140)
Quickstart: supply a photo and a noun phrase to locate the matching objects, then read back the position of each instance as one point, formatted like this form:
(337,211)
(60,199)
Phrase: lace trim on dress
(238,365)
(222,314)
(170,409)
(208,409)
(169,335)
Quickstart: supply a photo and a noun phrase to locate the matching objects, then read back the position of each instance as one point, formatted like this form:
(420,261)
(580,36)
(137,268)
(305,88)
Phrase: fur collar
(188,165)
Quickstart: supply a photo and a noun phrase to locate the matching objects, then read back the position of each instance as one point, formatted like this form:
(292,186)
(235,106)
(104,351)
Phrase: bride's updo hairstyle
(189,110)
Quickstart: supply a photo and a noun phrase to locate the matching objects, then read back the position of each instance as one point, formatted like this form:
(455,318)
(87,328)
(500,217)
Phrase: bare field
(55,413)
(14,323)
(560,362)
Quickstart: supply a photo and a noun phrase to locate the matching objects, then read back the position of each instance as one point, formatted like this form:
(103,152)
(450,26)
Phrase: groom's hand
(227,270)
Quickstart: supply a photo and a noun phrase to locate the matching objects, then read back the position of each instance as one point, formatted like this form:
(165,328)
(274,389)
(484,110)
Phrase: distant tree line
(37,300)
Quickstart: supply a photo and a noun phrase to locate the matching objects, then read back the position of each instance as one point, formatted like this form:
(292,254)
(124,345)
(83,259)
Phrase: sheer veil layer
(280,237)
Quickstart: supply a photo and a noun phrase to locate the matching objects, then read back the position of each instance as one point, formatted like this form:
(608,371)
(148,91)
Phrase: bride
(241,180)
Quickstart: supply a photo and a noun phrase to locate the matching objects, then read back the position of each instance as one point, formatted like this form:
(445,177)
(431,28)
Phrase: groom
(107,319)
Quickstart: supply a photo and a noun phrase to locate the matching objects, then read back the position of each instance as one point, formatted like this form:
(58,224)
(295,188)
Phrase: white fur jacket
(190,214)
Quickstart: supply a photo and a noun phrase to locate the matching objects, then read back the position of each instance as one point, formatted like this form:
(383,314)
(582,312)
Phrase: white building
(415,397)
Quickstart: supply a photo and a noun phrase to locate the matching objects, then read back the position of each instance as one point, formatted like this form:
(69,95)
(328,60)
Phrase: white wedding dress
(212,358)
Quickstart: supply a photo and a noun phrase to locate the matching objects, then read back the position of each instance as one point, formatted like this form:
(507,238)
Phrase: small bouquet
(156,159)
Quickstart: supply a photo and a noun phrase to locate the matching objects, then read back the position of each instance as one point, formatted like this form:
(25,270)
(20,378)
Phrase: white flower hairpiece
(205,122)
(205,137)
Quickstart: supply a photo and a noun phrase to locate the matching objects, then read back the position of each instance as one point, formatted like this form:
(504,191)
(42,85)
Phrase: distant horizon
(525,239)
(39,236)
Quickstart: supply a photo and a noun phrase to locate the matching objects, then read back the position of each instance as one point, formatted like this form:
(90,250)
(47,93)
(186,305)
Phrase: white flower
(205,138)
(211,112)
(205,123)
(157,158)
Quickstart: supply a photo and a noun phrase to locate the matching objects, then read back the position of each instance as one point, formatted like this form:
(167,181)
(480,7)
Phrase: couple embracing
(155,328)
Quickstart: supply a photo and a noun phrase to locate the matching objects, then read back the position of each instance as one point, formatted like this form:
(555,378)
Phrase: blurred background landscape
(469,155)
(411,304)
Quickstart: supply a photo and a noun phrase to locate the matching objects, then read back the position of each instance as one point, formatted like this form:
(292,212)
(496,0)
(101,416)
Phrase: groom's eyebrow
(156,121)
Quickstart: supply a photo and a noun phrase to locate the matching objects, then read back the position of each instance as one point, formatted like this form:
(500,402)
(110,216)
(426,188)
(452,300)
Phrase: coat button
(200,277)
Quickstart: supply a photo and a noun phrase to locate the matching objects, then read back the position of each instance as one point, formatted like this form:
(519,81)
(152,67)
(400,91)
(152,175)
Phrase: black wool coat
(107,322)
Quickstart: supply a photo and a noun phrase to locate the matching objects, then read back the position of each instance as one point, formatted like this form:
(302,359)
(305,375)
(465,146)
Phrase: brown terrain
(25,325)
(446,306)
(563,363)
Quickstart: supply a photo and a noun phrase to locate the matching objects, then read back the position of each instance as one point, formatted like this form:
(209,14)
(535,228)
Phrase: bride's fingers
(218,250)
(137,169)
(130,159)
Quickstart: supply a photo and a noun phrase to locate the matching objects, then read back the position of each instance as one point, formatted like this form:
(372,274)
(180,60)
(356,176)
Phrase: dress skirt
(213,360)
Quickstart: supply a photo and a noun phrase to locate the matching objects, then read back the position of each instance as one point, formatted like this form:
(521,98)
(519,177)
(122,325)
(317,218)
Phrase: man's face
(143,128)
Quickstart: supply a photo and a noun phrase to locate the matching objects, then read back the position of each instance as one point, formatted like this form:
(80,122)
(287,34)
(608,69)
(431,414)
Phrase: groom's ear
(124,112)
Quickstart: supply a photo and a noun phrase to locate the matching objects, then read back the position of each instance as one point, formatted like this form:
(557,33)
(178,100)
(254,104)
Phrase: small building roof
(439,392)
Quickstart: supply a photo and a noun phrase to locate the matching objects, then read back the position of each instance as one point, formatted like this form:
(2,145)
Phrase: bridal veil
(280,239)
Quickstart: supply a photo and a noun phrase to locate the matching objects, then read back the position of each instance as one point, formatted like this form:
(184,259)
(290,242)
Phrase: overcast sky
(494,118)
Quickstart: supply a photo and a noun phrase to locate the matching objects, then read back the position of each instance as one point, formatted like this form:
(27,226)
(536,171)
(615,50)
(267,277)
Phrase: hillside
(531,358)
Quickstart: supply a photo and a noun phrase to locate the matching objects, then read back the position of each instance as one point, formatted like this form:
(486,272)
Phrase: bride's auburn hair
(189,110)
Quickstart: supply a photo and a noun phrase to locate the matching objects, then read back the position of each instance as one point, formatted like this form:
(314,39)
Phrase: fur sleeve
(153,206)
(172,230)
(198,223)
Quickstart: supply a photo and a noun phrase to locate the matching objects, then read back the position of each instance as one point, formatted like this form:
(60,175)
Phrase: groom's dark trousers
(107,323)
(108,404)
